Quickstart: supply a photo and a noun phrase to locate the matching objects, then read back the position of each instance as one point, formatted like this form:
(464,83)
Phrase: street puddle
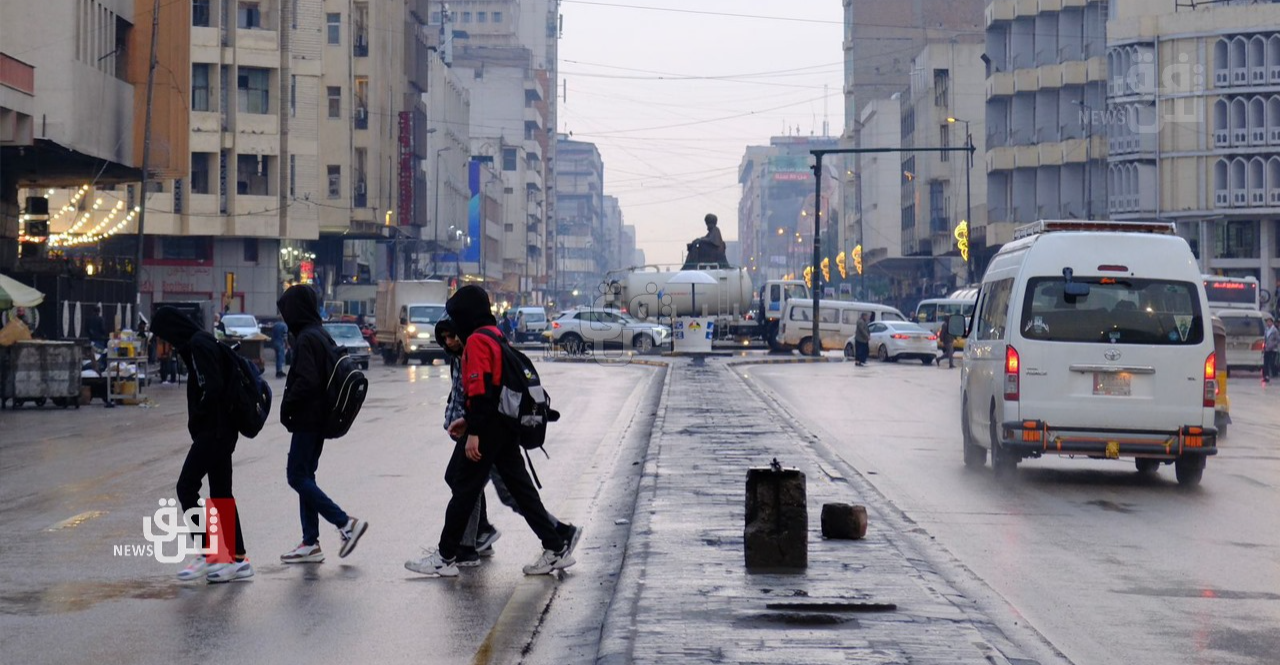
(79,596)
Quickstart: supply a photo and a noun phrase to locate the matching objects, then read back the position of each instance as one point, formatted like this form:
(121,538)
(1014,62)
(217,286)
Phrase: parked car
(892,341)
(1245,330)
(596,327)
(532,321)
(348,335)
(240,325)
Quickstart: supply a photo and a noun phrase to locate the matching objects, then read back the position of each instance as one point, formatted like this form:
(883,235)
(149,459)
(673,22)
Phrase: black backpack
(344,392)
(522,401)
(249,395)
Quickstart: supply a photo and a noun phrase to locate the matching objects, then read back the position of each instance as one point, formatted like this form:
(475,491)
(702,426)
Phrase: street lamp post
(435,232)
(968,199)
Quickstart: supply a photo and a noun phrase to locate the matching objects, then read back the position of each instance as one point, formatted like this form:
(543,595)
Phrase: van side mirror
(956,325)
(404,320)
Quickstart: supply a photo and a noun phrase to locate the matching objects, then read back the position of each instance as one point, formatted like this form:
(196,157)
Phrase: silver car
(595,327)
(348,335)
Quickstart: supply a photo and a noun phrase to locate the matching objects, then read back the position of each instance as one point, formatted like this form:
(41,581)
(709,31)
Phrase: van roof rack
(1051,225)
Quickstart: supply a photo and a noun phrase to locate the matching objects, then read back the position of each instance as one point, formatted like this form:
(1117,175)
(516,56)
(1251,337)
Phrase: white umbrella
(77,320)
(16,294)
(66,318)
(693,278)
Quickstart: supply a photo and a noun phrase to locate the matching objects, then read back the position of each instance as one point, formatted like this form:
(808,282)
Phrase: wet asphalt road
(76,484)
(1107,565)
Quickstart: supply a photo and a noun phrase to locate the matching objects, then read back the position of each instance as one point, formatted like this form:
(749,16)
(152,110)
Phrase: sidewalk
(683,595)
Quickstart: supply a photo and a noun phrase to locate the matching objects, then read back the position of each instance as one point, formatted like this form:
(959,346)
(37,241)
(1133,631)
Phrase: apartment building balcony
(257,40)
(1047,6)
(1026,156)
(1000,11)
(1000,84)
(1025,8)
(1026,80)
(1001,159)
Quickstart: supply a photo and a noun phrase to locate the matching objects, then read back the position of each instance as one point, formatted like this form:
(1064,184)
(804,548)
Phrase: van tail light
(1210,380)
(1257,346)
(1011,371)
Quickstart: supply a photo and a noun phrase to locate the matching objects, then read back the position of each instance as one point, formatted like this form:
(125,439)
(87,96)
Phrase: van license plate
(1111,384)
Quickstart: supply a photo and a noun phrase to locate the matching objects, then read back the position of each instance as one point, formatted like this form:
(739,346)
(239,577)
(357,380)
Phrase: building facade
(1046,102)
(580,221)
(1193,127)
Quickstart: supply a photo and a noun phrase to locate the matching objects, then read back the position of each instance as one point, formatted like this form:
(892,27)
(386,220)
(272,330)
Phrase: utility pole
(146,158)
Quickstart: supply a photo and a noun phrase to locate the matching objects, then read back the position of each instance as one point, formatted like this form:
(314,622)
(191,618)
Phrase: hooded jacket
(455,407)
(302,408)
(207,367)
(481,360)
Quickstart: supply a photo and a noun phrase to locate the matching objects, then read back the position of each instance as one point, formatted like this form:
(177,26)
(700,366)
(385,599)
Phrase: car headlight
(423,335)
(412,329)
(368,350)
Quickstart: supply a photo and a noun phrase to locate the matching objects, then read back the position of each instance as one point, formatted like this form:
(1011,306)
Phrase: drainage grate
(834,607)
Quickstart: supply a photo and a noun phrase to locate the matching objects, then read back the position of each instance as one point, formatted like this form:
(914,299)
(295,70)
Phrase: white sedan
(593,327)
(892,341)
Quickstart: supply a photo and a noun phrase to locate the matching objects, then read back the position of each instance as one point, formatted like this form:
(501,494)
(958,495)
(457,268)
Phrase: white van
(932,313)
(1092,339)
(1245,331)
(837,320)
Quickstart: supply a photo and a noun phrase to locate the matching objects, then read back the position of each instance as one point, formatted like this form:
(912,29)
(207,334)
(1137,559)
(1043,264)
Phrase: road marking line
(76,520)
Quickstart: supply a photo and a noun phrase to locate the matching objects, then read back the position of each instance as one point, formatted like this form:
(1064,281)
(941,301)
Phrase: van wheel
(806,346)
(849,353)
(643,344)
(974,454)
(1188,470)
(1002,462)
(883,353)
(402,358)
(1147,466)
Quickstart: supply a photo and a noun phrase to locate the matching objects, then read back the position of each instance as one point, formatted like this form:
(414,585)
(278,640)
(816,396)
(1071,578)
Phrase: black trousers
(467,480)
(209,457)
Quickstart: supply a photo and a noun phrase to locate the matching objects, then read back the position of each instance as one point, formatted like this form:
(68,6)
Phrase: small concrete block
(842,521)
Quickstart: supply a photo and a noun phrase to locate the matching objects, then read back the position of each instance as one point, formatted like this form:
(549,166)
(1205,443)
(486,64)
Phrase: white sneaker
(433,564)
(228,572)
(303,553)
(550,561)
(351,535)
(197,567)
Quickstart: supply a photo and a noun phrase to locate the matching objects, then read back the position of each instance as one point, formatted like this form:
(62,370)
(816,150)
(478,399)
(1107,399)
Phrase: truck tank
(637,291)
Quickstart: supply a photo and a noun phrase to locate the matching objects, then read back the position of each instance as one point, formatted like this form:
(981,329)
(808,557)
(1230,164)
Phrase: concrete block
(776,536)
(843,521)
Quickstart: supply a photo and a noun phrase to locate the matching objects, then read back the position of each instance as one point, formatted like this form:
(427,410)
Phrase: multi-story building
(1046,94)
(580,217)
(67,103)
(1193,128)
(612,256)
(879,210)
(941,199)
(775,211)
(505,52)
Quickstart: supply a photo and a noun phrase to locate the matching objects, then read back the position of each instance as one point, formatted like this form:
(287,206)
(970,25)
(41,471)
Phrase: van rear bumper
(1032,438)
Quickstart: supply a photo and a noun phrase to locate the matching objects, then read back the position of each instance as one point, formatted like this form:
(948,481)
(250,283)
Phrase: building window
(254,85)
(200,13)
(508,159)
(253,175)
(941,87)
(944,134)
(293,96)
(334,22)
(435,18)
(293,175)
(335,182)
(249,16)
(185,248)
(497,17)
(335,101)
(200,172)
(200,87)
(250,250)
(466,17)
(482,17)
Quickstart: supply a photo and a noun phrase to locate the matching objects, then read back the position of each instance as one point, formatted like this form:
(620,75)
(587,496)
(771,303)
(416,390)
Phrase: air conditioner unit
(361,189)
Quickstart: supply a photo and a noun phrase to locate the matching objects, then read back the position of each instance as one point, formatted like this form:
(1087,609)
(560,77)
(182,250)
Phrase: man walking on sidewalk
(1270,351)
(213,439)
(302,411)
(862,340)
(488,443)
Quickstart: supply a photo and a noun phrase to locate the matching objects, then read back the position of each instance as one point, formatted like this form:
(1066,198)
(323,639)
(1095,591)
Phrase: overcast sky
(673,91)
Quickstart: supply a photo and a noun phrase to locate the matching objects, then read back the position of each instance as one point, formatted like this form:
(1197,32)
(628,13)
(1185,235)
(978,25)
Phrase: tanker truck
(741,311)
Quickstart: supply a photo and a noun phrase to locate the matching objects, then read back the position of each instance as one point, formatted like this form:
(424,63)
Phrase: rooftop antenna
(825,115)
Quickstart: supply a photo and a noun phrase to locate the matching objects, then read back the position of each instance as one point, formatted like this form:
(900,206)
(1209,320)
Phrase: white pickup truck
(407,312)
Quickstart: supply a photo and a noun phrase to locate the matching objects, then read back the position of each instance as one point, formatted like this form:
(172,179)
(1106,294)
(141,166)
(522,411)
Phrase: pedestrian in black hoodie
(488,443)
(302,411)
(213,437)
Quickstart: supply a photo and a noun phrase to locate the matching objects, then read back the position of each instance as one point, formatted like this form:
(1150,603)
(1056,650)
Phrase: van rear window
(1243,326)
(1116,311)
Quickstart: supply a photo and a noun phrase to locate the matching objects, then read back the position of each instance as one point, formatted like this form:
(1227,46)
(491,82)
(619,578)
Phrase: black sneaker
(571,535)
